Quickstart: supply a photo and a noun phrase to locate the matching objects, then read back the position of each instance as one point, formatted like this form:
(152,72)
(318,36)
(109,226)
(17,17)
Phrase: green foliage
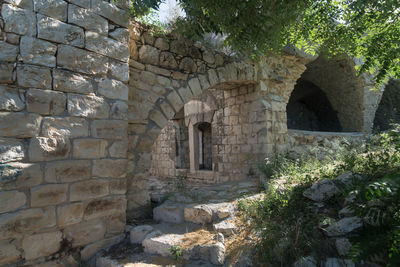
(176,251)
(369,30)
(288,226)
(181,184)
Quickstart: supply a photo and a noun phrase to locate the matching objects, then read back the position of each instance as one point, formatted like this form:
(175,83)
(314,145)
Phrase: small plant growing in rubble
(176,251)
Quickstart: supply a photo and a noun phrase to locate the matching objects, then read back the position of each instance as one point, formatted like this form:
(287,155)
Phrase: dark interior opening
(309,109)
(181,141)
(205,146)
(388,111)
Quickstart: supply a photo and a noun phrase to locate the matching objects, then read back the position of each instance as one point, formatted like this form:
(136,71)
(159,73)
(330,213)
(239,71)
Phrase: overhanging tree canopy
(366,29)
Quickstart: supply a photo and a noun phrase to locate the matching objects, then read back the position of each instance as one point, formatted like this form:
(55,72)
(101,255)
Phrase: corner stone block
(119,110)
(37,52)
(87,20)
(69,214)
(86,232)
(118,186)
(19,21)
(40,245)
(111,12)
(106,46)
(59,32)
(56,9)
(14,225)
(9,52)
(113,89)
(44,195)
(21,125)
(70,82)
(69,127)
(88,190)
(33,76)
(11,150)
(80,60)
(46,102)
(110,129)
(11,200)
(8,253)
(119,70)
(88,106)
(68,171)
(100,208)
(46,149)
(16,175)
(89,148)
(115,168)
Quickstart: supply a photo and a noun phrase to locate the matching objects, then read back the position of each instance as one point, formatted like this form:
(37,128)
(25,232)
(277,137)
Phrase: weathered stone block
(120,34)
(113,89)
(9,52)
(110,168)
(118,186)
(85,233)
(22,125)
(187,64)
(11,150)
(11,200)
(37,52)
(100,208)
(106,46)
(65,126)
(46,102)
(198,214)
(162,44)
(22,222)
(59,32)
(45,149)
(20,175)
(119,70)
(17,20)
(89,148)
(139,233)
(87,19)
(111,12)
(88,106)
(56,9)
(25,4)
(119,149)
(69,214)
(88,189)
(67,171)
(72,82)
(81,3)
(32,76)
(39,245)
(8,253)
(109,129)
(90,63)
(42,196)
(167,60)
(91,249)
(119,110)
(6,72)
(149,55)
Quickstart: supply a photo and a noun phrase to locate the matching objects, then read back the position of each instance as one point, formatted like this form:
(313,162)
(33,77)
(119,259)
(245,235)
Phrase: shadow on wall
(389,108)
(309,109)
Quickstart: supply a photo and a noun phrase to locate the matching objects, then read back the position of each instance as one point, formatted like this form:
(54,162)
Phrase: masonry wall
(63,128)
(238,138)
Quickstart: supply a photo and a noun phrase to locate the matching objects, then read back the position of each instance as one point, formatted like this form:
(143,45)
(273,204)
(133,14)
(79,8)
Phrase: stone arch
(165,73)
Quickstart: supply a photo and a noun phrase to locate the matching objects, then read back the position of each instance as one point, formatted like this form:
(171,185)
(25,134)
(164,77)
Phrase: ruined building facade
(95,110)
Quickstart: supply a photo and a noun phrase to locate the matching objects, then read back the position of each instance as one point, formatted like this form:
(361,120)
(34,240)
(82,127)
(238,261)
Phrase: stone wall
(238,137)
(63,128)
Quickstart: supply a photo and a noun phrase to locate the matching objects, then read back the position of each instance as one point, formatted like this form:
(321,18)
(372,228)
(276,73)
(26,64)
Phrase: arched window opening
(309,109)
(204,146)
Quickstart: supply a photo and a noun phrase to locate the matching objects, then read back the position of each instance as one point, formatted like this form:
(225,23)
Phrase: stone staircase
(198,227)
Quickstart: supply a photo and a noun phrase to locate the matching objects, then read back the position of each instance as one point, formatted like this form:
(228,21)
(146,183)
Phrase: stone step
(172,212)
(193,241)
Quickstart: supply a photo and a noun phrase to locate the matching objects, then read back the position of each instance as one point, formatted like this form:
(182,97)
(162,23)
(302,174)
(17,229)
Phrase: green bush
(287,225)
